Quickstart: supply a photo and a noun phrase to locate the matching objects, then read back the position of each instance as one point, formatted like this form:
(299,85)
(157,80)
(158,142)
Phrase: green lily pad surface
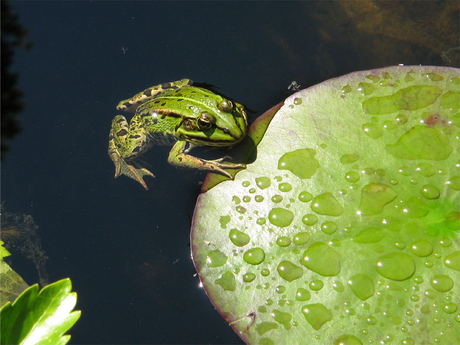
(346,228)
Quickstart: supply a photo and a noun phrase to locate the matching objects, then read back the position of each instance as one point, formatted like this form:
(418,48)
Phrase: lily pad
(346,227)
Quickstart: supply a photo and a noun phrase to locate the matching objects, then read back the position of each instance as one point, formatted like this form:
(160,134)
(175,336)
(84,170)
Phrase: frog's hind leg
(117,139)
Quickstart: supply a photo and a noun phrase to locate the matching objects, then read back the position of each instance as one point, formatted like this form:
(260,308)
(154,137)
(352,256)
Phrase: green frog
(179,114)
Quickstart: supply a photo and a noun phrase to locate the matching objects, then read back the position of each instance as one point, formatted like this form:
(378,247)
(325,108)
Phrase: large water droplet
(347,339)
(352,176)
(309,219)
(366,89)
(254,256)
(282,318)
(227,281)
(263,182)
(301,238)
(430,192)
(265,327)
(371,235)
(415,208)
(216,258)
(283,241)
(285,187)
(316,315)
(249,277)
(421,142)
(288,271)
(422,248)
(280,217)
(301,163)
(454,182)
(453,261)
(374,197)
(372,130)
(450,308)
(328,227)
(326,204)
(239,238)
(322,259)
(396,266)
(410,98)
(305,196)
(302,295)
(442,283)
(348,159)
(425,169)
(224,220)
(362,286)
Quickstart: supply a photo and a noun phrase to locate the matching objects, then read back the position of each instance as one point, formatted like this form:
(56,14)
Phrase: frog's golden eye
(225,105)
(205,121)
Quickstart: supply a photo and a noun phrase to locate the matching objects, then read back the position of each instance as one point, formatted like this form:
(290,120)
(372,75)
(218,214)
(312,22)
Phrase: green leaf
(3,251)
(346,228)
(40,317)
(11,284)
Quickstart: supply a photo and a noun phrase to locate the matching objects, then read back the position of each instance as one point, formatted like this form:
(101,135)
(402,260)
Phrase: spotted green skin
(177,114)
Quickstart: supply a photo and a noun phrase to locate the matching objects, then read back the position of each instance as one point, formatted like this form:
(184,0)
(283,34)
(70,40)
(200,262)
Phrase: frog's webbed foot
(134,170)
(179,156)
(217,165)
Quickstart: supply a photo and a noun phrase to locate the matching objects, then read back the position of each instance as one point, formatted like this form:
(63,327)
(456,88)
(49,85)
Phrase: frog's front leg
(124,147)
(179,156)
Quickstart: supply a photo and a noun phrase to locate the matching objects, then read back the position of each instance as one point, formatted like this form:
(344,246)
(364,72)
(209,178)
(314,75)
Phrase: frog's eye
(204,121)
(225,105)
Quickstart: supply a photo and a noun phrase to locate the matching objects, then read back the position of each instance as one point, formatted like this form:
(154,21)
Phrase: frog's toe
(136,172)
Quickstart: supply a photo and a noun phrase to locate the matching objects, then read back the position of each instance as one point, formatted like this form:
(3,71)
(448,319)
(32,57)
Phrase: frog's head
(226,126)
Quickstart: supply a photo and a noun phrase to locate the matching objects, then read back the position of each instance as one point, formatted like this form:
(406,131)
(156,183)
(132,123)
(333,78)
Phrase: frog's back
(130,105)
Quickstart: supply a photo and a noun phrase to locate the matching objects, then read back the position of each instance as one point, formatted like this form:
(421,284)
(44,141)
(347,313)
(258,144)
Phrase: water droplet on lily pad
(239,238)
(280,217)
(374,197)
(362,286)
(302,295)
(254,256)
(305,196)
(372,130)
(322,259)
(301,238)
(396,266)
(430,192)
(227,281)
(421,142)
(370,235)
(316,315)
(348,159)
(263,182)
(442,283)
(422,248)
(347,339)
(453,260)
(301,163)
(310,219)
(288,271)
(216,258)
(410,98)
(326,204)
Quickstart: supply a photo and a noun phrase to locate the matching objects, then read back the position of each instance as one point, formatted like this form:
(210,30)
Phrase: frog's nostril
(226,130)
